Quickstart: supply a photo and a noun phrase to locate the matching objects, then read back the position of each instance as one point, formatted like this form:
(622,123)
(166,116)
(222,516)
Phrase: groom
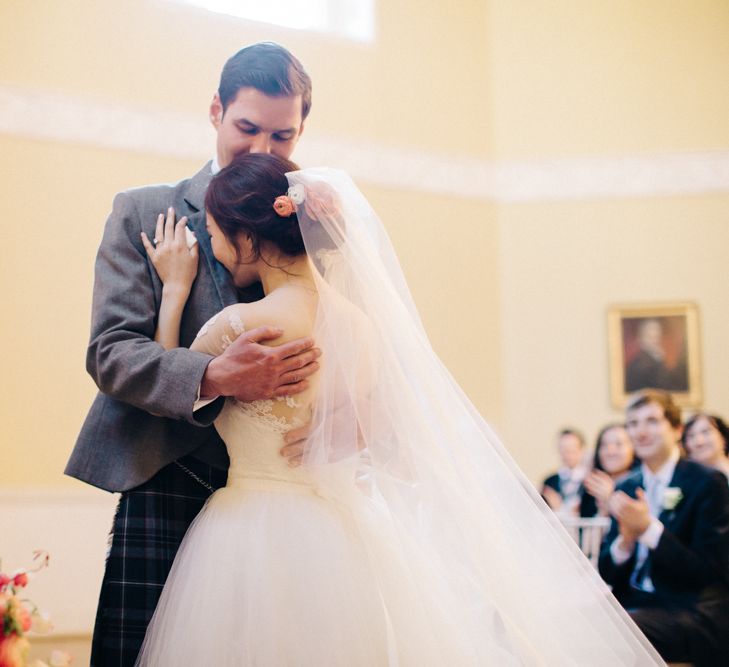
(148,432)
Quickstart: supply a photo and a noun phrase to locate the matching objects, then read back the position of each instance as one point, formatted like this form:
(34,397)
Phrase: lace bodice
(252,432)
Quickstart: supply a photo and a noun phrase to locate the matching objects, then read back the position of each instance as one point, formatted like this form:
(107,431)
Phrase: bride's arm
(176,265)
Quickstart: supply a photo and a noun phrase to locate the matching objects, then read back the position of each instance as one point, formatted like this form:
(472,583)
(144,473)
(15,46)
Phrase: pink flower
(20,580)
(4,580)
(13,650)
(16,617)
(24,619)
(283,206)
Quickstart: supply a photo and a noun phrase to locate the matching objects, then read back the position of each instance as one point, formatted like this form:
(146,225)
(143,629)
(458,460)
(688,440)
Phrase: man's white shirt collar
(664,475)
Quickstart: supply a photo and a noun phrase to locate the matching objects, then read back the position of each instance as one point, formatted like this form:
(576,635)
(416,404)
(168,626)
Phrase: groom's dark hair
(267,67)
(671,411)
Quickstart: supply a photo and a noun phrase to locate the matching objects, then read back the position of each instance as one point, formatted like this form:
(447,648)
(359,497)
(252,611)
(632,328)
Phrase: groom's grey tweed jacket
(142,418)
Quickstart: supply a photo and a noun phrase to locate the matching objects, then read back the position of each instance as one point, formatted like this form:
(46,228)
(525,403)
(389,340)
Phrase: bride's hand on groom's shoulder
(250,371)
(173,253)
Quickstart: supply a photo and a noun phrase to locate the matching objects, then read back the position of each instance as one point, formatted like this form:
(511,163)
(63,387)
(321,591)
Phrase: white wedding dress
(276,572)
(408,537)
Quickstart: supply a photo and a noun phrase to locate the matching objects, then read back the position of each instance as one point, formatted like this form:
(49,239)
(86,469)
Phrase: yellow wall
(513,295)
(55,198)
(596,77)
(449,250)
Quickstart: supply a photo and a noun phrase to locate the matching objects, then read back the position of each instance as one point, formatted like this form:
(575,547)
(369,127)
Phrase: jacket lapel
(194,198)
(633,482)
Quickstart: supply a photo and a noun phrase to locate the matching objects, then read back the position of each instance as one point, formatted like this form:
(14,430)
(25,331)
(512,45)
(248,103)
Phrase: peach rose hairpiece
(284,206)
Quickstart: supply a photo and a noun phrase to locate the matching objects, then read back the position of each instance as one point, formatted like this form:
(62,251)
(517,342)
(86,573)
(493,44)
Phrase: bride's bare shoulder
(293,312)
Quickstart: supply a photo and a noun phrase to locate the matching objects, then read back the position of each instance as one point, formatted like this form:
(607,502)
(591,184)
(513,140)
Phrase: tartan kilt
(149,525)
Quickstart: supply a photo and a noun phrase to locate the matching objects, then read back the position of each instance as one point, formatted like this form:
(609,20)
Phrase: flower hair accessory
(297,194)
(284,206)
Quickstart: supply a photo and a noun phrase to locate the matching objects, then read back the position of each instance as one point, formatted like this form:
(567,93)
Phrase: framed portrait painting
(654,347)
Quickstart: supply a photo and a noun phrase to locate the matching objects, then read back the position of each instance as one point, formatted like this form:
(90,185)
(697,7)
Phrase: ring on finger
(156,241)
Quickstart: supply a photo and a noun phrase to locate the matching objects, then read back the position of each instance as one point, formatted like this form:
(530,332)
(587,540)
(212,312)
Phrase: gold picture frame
(655,346)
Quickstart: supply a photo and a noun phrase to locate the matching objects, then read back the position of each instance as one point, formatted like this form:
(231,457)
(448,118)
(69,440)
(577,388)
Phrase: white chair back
(588,533)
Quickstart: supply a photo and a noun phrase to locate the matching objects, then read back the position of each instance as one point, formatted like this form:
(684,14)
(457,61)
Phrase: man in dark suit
(563,490)
(667,552)
(147,434)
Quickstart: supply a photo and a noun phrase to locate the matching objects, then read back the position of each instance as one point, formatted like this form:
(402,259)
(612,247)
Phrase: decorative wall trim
(42,114)
(72,524)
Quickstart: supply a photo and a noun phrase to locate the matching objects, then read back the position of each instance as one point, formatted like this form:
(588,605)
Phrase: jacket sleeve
(122,357)
(617,576)
(706,557)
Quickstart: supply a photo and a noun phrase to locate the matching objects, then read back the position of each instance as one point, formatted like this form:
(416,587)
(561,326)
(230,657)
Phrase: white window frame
(348,19)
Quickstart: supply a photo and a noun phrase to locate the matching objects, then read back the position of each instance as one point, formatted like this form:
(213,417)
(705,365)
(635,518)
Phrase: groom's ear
(216,111)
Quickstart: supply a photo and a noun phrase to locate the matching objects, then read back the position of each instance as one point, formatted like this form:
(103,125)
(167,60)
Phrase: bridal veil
(392,425)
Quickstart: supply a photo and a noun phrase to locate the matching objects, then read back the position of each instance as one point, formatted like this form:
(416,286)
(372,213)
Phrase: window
(352,19)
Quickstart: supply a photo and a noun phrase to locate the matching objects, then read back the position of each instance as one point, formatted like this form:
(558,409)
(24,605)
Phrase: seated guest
(706,440)
(667,552)
(563,489)
(613,462)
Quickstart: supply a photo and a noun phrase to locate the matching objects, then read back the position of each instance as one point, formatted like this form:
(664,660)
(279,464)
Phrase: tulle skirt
(271,574)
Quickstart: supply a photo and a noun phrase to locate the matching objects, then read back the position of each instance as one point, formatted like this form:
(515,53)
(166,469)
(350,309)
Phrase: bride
(406,536)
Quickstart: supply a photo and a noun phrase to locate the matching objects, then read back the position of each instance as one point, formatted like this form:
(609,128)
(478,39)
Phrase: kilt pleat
(149,525)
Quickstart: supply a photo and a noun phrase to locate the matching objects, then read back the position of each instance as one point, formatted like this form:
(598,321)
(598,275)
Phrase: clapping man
(667,552)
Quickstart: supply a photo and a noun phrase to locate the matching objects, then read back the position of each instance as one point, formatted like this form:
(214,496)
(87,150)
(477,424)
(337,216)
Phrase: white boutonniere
(672,496)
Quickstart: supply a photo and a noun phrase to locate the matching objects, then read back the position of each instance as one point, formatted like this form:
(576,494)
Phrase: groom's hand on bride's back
(250,371)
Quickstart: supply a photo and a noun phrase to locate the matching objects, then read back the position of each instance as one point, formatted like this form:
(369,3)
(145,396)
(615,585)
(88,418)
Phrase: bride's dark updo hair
(240,198)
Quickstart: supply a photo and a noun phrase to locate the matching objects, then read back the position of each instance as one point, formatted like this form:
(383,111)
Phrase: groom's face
(256,123)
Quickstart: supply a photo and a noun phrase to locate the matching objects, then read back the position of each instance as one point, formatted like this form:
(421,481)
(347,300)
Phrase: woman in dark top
(614,460)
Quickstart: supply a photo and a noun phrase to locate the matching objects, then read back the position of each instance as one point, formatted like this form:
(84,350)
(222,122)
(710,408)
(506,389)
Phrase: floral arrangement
(19,616)
(319,200)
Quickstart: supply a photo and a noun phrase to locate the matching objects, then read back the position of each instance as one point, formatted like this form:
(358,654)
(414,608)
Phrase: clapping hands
(632,514)
(601,486)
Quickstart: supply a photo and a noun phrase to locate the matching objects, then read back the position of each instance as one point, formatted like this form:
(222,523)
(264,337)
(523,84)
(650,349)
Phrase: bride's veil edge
(484,540)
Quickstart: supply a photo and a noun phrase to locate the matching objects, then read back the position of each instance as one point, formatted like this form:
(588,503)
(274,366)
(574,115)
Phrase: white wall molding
(54,116)
(73,525)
